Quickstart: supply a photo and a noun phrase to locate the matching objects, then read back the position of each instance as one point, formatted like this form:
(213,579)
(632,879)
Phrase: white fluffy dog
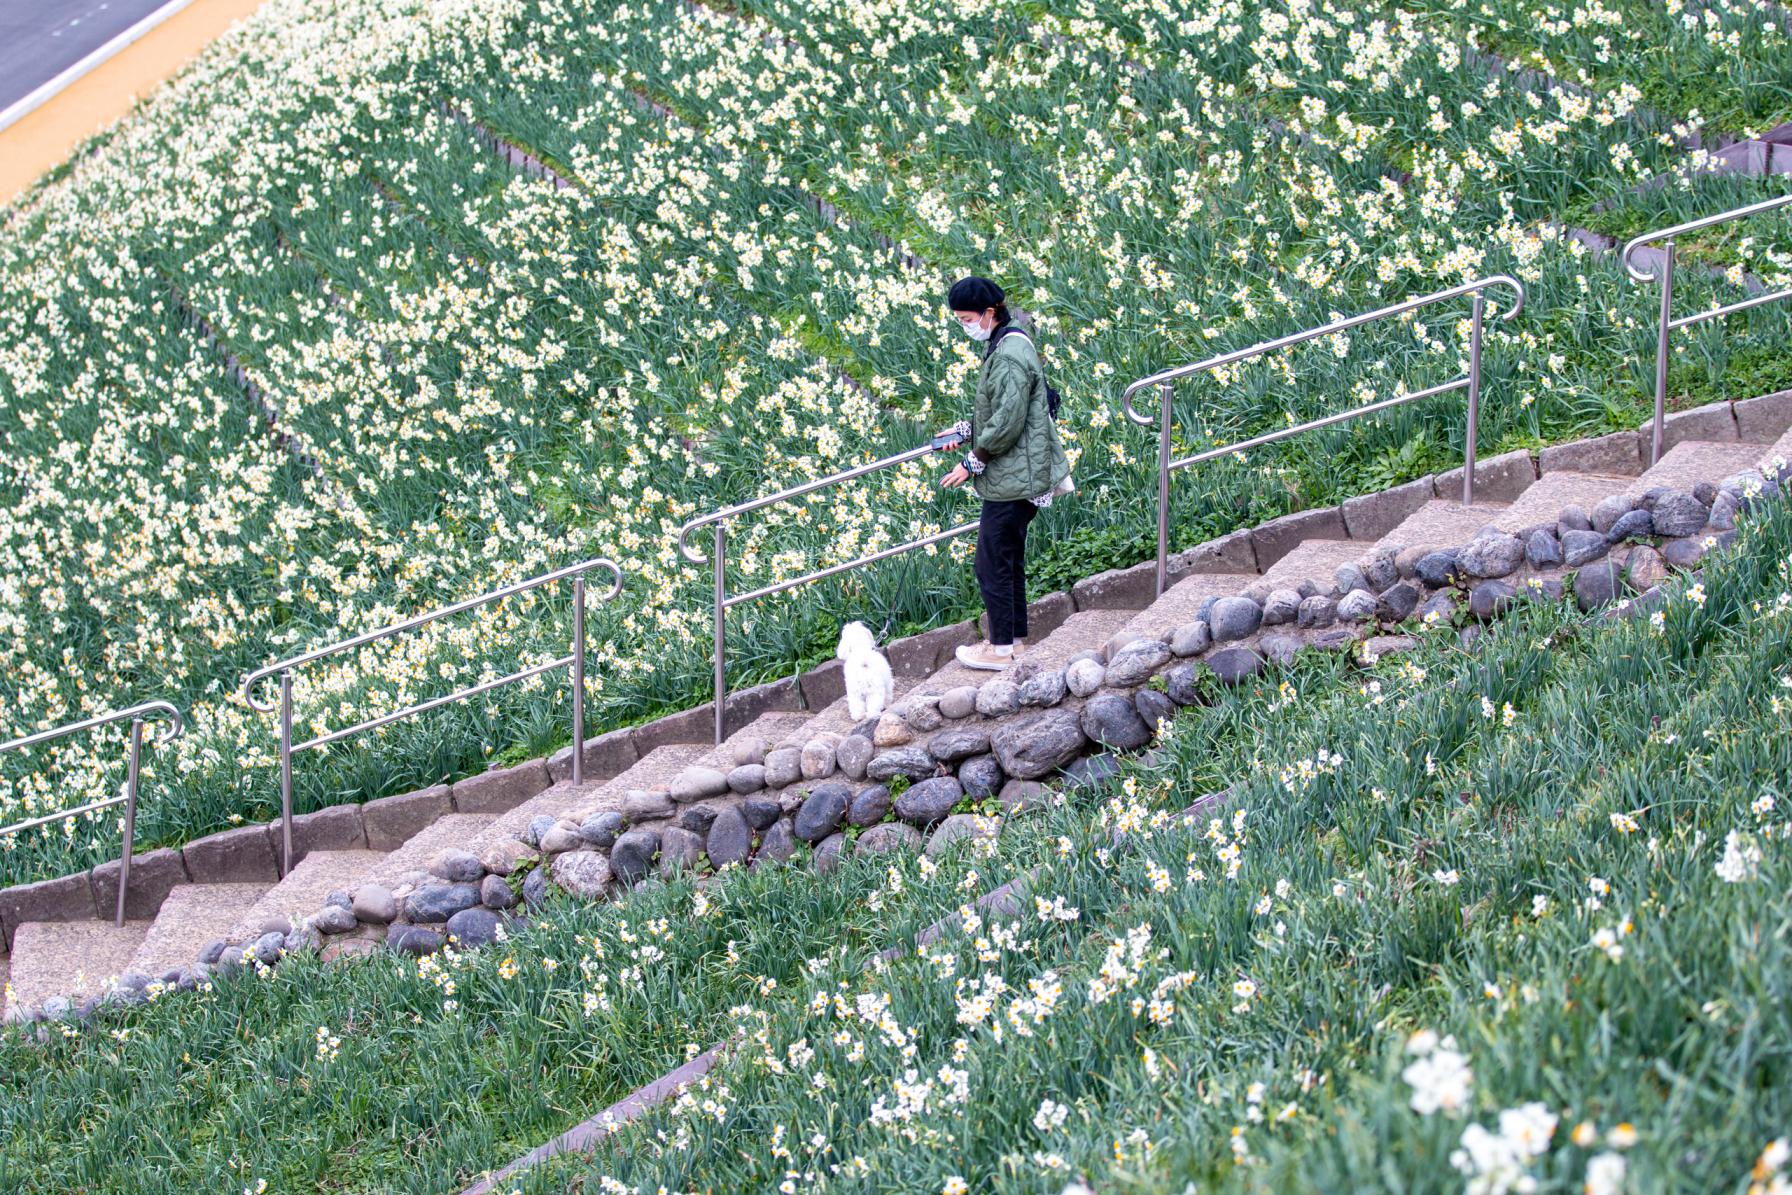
(869,685)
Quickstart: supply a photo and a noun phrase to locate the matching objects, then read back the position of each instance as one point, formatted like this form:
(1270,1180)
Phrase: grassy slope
(1397,885)
(1109,523)
(1606,718)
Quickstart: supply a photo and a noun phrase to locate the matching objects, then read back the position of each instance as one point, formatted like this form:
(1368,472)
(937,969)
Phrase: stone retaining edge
(557,850)
(238,852)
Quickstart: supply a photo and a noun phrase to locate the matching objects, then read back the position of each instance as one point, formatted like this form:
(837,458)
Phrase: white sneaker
(983,657)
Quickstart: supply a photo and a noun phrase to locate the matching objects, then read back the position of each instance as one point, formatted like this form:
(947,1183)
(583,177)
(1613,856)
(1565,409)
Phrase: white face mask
(975,331)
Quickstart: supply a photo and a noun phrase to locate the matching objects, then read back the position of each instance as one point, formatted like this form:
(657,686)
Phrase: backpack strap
(1006,329)
(1052,398)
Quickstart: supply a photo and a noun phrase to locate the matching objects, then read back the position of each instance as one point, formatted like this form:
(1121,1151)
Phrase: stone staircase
(1312,553)
(76,960)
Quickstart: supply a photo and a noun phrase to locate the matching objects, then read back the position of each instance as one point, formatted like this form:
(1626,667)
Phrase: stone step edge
(1051,743)
(250,853)
(1293,602)
(1112,696)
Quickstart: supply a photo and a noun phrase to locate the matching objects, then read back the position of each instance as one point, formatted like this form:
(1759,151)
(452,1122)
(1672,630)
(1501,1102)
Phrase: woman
(1015,463)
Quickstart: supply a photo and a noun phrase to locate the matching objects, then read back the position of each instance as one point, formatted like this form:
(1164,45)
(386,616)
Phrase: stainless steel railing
(1666,323)
(719,518)
(284,670)
(137,714)
(1165,382)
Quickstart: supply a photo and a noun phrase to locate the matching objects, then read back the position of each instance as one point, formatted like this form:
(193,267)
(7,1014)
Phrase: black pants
(1002,567)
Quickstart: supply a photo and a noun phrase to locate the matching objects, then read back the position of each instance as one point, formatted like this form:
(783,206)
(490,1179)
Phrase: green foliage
(1746,372)
(1362,944)
(462,346)
(1059,563)
(1502,852)
(1397,464)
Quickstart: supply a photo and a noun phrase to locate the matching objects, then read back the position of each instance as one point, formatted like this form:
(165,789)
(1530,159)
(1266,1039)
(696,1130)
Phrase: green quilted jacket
(1011,428)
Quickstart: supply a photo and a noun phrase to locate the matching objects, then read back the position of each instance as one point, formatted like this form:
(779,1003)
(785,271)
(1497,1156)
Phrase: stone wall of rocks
(914,777)
(921,775)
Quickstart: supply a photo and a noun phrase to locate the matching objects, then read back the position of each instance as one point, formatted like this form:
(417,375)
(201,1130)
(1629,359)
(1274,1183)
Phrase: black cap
(974,294)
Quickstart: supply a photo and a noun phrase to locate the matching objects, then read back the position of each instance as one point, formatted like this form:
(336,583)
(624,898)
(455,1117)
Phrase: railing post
(132,764)
(1477,312)
(285,772)
(1167,393)
(1661,351)
(578,681)
(721,611)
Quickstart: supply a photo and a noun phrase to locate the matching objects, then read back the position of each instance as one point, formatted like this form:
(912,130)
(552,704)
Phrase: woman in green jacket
(1015,463)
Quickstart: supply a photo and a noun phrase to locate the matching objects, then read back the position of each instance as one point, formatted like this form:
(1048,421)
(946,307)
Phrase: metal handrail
(719,519)
(1666,324)
(284,670)
(137,714)
(1165,381)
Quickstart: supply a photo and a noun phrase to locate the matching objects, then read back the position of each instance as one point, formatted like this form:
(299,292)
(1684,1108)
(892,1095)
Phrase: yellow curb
(45,138)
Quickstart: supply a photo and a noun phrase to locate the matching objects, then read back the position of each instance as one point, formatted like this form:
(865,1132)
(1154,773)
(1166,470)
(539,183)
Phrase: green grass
(452,489)
(1745,242)
(1678,70)
(180,1095)
(1681,1030)
(1686,1037)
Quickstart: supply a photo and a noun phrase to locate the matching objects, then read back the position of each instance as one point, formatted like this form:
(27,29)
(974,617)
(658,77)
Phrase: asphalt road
(39,39)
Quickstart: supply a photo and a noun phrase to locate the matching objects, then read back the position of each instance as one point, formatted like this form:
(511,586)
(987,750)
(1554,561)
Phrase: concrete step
(1692,461)
(193,915)
(1315,560)
(1780,450)
(69,958)
(1080,632)
(1443,524)
(458,830)
(468,836)
(303,890)
(1544,500)
(836,718)
(773,728)
(1179,603)
(653,770)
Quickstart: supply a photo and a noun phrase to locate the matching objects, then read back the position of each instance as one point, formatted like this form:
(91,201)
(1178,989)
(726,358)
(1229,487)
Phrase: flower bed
(1441,891)
(1472,924)
(501,373)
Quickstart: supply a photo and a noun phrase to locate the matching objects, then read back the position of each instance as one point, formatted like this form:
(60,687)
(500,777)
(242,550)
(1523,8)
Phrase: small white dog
(869,685)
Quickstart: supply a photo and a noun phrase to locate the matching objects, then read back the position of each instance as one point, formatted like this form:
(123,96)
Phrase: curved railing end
(615,572)
(684,541)
(1630,247)
(1132,412)
(177,723)
(1518,292)
(248,690)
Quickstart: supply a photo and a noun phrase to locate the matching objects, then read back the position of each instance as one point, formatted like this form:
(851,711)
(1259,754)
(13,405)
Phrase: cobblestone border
(1066,725)
(247,853)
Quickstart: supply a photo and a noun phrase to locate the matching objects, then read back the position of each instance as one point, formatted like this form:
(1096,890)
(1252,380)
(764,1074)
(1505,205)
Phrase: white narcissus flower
(427,367)
(1441,1078)
(1605,1174)
(1741,859)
